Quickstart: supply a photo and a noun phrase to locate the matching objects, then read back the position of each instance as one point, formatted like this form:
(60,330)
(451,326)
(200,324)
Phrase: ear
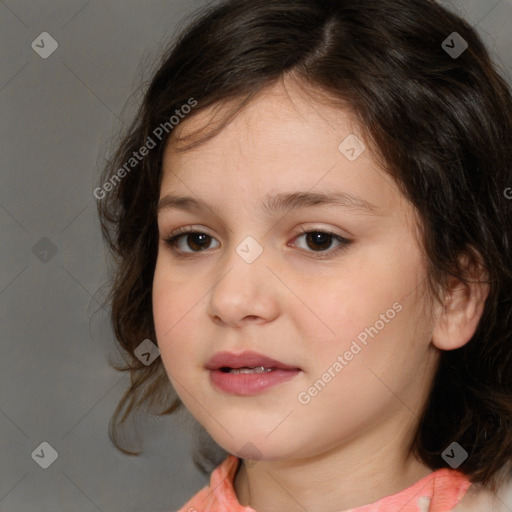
(462,308)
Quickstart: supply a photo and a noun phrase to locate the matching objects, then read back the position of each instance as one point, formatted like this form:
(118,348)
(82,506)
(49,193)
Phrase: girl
(311,219)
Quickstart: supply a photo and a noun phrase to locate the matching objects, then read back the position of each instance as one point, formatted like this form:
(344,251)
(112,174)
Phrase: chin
(253,445)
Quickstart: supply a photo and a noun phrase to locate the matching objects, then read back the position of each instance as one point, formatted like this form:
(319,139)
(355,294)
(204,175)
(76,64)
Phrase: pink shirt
(440,491)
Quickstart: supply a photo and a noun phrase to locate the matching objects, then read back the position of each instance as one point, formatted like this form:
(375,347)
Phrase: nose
(247,291)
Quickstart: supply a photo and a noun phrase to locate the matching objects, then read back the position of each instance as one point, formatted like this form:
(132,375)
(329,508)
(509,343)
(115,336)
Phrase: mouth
(245,369)
(247,373)
(252,361)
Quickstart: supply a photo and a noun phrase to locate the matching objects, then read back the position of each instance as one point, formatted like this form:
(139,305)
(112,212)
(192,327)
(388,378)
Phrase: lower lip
(249,383)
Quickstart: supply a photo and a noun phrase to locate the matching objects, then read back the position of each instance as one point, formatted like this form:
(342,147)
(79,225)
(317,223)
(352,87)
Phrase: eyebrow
(278,203)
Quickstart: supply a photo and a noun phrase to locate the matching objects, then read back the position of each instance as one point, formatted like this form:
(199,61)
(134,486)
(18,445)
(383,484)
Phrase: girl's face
(350,320)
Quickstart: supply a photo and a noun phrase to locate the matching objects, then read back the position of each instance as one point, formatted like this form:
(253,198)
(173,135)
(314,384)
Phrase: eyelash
(172,242)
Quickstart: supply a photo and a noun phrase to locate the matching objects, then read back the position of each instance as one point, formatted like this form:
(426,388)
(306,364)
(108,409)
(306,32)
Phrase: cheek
(377,306)
(174,295)
(344,305)
(174,305)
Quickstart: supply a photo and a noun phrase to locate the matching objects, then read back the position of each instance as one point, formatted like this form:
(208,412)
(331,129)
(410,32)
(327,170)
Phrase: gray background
(58,116)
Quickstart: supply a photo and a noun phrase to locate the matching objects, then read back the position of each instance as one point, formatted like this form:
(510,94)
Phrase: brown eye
(318,240)
(194,240)
(321,241)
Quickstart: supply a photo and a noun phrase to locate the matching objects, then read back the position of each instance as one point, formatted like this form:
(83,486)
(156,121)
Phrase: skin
(349,445)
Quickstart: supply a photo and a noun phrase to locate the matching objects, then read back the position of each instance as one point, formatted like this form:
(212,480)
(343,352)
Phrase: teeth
(258,369)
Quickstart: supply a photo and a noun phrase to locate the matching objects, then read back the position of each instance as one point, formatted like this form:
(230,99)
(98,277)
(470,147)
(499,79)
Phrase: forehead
(282,141)
(283,124)
(285,103)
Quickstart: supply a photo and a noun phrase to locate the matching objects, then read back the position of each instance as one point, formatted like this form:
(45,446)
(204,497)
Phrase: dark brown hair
(441,126)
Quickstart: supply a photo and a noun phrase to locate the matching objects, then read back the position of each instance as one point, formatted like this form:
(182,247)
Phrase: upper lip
(245,359)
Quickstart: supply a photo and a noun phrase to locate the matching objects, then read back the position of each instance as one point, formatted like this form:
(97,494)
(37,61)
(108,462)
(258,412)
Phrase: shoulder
(478,499)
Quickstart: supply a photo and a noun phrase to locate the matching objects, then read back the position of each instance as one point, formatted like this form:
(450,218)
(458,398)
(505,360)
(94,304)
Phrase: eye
(319,241)
(195,240)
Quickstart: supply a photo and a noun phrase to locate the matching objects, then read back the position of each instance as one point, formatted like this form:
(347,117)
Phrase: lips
(247,373)
(228,360)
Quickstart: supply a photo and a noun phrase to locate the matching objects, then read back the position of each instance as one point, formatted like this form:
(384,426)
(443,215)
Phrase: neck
(346,477)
